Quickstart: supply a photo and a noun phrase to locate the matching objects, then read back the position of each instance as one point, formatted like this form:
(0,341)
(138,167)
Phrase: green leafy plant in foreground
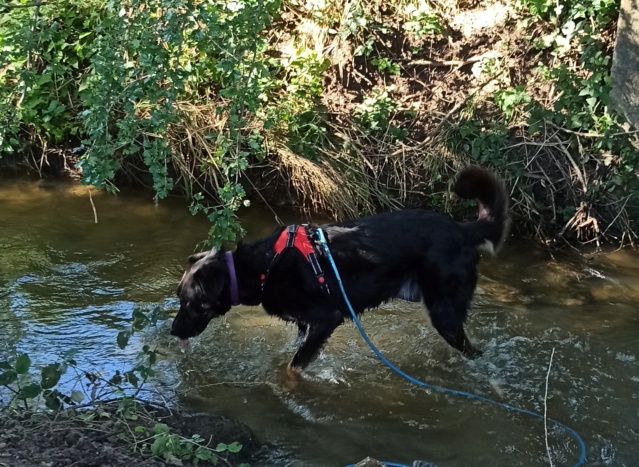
(175,448)
(29,390)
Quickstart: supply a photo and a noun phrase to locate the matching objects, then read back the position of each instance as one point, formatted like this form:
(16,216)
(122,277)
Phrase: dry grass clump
(446,80)
(195,154)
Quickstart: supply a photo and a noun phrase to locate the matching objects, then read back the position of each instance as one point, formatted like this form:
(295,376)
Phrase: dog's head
(204,294)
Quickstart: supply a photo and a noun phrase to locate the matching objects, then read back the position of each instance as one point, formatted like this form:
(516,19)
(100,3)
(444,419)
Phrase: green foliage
(31,389)
(421,20)
(224,225)
(357,21)
(581,98)
(140,373)
(47,51)
(296,115)
(376,111)
(148,56)
(28,389)
(570,124)
(583,93)
(483,144)
(598,11)
(509,99)
(175,448)
(123,77)
(383,64)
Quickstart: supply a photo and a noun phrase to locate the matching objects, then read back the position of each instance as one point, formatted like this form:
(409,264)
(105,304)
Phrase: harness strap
(297,236)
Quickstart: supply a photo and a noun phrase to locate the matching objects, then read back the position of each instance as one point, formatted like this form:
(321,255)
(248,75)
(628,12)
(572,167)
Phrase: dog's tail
(491,226)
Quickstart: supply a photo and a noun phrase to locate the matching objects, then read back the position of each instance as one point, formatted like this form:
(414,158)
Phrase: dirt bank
(106,436)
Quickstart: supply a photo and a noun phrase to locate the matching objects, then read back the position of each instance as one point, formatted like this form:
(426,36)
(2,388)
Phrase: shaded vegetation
(340,108)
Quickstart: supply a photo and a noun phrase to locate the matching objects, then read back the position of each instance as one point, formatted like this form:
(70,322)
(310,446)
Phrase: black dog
(412,254)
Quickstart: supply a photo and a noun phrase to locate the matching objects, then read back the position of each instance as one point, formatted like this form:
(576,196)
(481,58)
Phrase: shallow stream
(68,284)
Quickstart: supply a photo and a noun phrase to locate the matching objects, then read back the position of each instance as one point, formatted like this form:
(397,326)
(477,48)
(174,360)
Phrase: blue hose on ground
(417,382)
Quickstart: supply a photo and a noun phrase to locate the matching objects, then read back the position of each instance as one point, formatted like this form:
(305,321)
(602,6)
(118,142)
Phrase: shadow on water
(67,283)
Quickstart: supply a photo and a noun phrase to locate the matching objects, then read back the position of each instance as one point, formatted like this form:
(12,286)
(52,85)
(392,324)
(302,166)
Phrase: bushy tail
(491,226)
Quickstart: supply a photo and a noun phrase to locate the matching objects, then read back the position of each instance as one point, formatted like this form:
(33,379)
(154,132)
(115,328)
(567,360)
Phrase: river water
(68,285)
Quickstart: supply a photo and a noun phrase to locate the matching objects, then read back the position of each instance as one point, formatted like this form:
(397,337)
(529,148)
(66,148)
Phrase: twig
(546,408)
(445,63)
(591,134)
(580,176)
(95,213)
(458,63)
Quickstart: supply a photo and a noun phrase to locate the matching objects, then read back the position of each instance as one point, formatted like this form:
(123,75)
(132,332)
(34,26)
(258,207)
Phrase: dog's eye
(206,306)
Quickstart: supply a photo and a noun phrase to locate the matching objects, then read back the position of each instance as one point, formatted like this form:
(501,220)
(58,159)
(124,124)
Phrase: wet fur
(415,255)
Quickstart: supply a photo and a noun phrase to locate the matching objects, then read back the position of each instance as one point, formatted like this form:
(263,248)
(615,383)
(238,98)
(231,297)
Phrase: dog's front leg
(449,323)
(314,338)
(302,331)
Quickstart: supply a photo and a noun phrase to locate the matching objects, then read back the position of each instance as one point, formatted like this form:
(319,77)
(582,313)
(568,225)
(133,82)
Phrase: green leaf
(23,363)
(197,439)
(44,79)
(123,338)
(161,428)
(132,378)
(5,366)
(50,376)
(203,453)
(221,447)
(138,315)
(29,391)
(158,448)
(52,401)
(234,447)
(77,396)
(8,377)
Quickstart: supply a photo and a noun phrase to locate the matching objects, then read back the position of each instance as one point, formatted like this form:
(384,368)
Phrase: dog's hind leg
(316,335)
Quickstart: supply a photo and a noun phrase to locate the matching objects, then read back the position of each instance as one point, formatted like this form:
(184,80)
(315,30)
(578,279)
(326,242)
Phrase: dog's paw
(473,353)
(293,377)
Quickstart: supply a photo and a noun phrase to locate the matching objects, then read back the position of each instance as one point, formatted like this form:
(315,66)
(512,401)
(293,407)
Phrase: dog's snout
(177,327)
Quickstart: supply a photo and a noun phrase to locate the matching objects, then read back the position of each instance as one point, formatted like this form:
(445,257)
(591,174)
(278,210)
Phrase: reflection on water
(67,283)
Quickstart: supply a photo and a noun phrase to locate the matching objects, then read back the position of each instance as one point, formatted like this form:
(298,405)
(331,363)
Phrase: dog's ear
(198,256)
(211,276)
(204,281)
(194,258)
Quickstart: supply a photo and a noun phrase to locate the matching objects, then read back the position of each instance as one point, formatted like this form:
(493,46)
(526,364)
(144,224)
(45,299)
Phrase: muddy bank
(106,436)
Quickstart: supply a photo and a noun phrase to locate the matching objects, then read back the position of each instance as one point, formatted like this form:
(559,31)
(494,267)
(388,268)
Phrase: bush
(330,102)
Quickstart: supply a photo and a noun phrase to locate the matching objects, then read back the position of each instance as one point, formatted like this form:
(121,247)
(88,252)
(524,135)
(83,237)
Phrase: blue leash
(322,239)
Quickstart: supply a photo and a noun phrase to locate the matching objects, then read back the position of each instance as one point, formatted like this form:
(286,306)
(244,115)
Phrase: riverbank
(105,436)
(343,110)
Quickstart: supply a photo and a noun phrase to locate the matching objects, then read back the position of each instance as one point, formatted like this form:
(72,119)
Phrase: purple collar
(235,295)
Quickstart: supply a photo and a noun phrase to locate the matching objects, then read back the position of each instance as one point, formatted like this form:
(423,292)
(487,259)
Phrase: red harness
(297,236)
